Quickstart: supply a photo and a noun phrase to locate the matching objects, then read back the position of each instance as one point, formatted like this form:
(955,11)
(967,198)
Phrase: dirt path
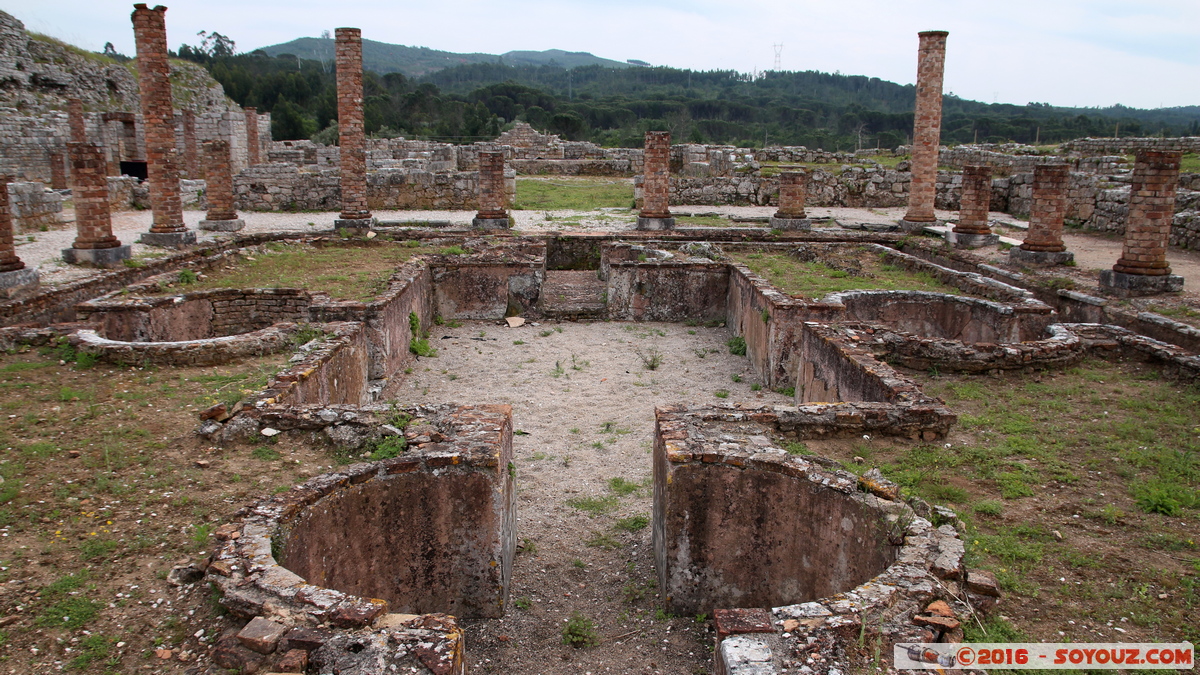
(586,402)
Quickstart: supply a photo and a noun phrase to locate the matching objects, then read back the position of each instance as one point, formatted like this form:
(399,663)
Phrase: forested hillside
(615,106)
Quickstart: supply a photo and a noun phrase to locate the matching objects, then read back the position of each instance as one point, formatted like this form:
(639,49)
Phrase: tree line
(615,107)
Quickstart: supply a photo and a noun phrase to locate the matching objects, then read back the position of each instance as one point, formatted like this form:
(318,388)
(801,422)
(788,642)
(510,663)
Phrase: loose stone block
(927,130)
(656,213)
(261,635)
(158,116)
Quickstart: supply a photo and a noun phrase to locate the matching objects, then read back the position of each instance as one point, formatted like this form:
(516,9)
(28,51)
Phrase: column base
(790,223)
(97,257)
(914,225)
(1124,285)
(971,240)
(354,226)
(492,223)
(234,225)
(655,223)
(18,283)
(1019,255)
(168,239)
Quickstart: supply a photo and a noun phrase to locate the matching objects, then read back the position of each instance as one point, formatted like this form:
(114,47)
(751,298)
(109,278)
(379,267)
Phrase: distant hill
(384,57)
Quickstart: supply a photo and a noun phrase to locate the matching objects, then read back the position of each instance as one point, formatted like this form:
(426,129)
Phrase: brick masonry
(793,190)
(492,195)
(927,126)
(350,124)
(657,185)
(191,159)
(58,171)
(219,182)
(9,262)
(154,84)
(90,190)
(75,121)
(976,201)
(253,146)
(1151,209)
(1049,207)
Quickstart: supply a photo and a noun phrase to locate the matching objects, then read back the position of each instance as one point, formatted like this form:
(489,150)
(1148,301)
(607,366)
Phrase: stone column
(218,169)
(972,230)
(492,196)
(58,171)
(352,146)
(793,190)
(656,184)
(253,149)
(927,130)
(94,240)
(162,157)
(1043,242)
(191,161)
(16,280)
(75,121)
(1142,268)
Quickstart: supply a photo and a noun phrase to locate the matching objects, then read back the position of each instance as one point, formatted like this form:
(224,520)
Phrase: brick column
(793,190)
(1142,268)
(927,130)
(972,230)
(253,149)
(58,171)
(16,280)
(191,161)
(218,169)
(94,240)
(352,145)
(1043,242)
(656,183)
(75,121)
(162,157)
(492,196)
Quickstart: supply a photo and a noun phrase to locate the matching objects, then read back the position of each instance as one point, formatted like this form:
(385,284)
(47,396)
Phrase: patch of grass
(344,272)
(572,193)
(71,613)
(580,632)
(522,602)
(817,279)
(95,549)
(421,347)
(453,250)
(602,540)
(93,648)
(623,487)
(265,453)
(988,507)
(796,448)
(721,393)
(651,357)
(632,523)
(594,506)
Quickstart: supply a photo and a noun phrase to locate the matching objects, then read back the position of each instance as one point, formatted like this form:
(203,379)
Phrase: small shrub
(594,506)
(265,453)
(737,346)
(735,377)
(766,316)
(187,277)
(756,387)
(721,393)
(523,602)
(786,391)
(421,347)
(651,358)
(388,447)
(796,448)
(580,632)
(454,250)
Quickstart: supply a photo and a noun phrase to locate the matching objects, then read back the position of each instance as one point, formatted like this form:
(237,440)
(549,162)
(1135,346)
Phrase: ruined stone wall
(338,372)
(1005,158)
(486,290)
(33,207)
(284,187)
(200,315)
(667,291)
(1091,147)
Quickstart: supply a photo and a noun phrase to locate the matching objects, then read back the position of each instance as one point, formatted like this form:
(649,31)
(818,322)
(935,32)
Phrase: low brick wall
(334,371)
(489,285)
(739,522)
(194,316)
(209,352)
(667,291)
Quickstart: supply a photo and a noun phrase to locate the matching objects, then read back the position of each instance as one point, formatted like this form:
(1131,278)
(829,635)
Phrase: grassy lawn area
(349,273)
(553,194)
(851,269)
(1190,163)
(1079,490)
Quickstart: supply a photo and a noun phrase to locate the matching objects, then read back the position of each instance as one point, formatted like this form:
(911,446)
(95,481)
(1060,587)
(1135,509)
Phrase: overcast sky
(1140,53)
